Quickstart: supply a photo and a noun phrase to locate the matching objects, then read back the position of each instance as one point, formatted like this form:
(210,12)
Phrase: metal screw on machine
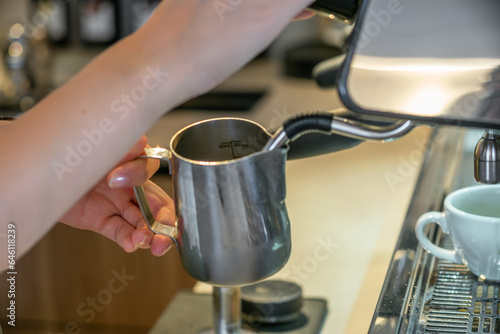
(487,158)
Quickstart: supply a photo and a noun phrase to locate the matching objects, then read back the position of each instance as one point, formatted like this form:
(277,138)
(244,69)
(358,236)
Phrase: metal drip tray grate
(459,302)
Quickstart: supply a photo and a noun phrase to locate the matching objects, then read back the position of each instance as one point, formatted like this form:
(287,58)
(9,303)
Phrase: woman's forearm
(66,143)
(56,152)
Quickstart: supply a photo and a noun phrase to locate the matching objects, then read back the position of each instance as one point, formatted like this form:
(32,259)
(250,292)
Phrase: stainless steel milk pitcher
(232,226)
(228,174)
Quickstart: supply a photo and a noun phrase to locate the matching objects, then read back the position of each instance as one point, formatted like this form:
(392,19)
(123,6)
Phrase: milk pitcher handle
(155,226)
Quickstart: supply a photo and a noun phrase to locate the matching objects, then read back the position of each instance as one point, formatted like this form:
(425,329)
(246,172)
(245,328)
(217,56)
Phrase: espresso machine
(436,63)
(407,63)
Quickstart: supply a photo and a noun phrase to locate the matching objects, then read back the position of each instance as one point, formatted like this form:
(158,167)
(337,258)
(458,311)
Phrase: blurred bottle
(54,17)
(134,13)
(140,11)
(17,79)
(98,21)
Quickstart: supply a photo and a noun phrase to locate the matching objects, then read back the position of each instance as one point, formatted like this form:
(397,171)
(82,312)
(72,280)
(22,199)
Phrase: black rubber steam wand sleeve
(305,123)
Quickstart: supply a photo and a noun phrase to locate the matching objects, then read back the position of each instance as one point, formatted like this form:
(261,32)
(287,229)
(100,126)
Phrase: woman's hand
(110,208)
(304,15)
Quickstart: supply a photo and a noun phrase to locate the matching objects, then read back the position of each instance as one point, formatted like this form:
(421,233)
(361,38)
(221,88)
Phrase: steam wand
(329,123)
(486,154)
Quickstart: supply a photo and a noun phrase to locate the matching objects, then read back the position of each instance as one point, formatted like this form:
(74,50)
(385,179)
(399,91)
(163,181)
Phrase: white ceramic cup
(472,220)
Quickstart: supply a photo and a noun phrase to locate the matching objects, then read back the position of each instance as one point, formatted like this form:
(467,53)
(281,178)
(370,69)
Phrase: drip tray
(458,301)
(191,313)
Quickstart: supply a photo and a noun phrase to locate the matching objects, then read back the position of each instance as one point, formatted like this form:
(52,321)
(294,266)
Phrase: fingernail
(165,251)
(143,241)
(133,249)
(118,181)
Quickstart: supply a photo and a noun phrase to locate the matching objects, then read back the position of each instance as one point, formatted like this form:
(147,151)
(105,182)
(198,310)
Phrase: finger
(161,205)
(132,173)
(303,15)
(161,244)
(140,235)
(118,230)
(135,150)
(126,236)
(144,238)
(160,202)
(128,228)
(163,211)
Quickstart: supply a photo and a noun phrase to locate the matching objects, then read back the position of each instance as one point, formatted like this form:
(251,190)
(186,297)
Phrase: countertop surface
(346,208)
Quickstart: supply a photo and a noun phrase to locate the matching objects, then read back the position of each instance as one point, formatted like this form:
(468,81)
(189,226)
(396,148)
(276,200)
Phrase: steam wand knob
(487,158)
